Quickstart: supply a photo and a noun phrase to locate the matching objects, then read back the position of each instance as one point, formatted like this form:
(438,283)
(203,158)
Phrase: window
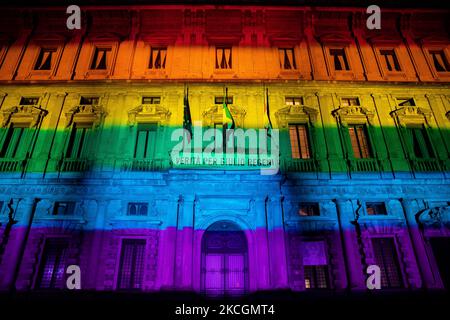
(315,266)
(293,101)
(158,58)
(347,102)
(359,141)
(219,100)
(78,141)
(440,61)
(223,58)
(89,101)
(53,264)
(145,141)
(44,60)
(339,59)
(375,208)
(390,59)
(405,102)
(64,208)
(29,101)
(137,209)
(287,58)
(300,148)
(13,142)
(386,258)
(308,210)
(151,100)
(101,58)
(418,140)
(131,268)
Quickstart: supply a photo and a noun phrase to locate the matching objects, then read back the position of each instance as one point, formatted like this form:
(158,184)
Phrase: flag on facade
(268,122)
(227,118)
(187,120)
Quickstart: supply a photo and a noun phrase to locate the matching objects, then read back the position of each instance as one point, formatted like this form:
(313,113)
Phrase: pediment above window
(296,114)
(86,115)
(21,115)
(214,115)
(148,113)
(412,115)
(354,115)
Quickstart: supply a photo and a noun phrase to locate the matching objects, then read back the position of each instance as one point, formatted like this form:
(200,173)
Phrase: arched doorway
(224,266)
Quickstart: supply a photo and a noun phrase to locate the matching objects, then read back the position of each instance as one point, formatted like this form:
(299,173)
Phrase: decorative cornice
(354,115)
(148,113)
(299,114)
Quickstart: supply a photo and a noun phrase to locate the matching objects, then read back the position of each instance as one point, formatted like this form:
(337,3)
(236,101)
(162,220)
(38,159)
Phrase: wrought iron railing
(364,165)
(11,164)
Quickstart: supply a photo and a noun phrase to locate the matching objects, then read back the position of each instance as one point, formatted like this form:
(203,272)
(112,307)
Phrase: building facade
(88,118)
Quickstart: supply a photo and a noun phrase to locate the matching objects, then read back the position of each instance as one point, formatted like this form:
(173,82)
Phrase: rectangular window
(359,141)
(158,58)
(293,101)
(223,58)
(300,146)
(386,258)
(339,59)
(315,265)
(44,60)
(53,264)
(131,268)
(89,101)
(29,101)
(376,208)
(405,102)
(101,58)
(65,208)
(78,141)
(390,60)
(13,142)
(219,100)
(137,209)
(151,100)
(308,210)
(145,141)
(347,102)
(440,61)
(418,140)
(287,58)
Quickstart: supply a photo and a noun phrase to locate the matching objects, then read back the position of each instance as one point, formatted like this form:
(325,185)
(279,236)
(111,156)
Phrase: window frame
(346,59)
(310,147)
(150,64)
(232,59)
(294,66)
(119,263)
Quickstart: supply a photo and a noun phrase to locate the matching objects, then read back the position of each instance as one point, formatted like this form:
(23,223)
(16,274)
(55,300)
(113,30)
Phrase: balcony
(363,165)
(143,165)
(11,164)
(75,165)
(426,165)
(300,165)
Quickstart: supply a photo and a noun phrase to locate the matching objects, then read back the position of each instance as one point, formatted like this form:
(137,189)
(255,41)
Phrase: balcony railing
(425,165)
(143,165)
(11,164)
(363,165)
(300,165)
(75,165)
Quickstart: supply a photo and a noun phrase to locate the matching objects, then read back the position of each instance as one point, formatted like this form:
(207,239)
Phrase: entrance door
(441,249)
(224,260)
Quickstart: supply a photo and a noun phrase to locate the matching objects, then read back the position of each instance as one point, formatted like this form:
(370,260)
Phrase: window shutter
(163,58)
(354,142)
(219,57)
(290,58)
(294,142)
(141,140)
(304,143)
(227,53)
(438,60)
(46,59)
(363,143)
(389,61)
(281,56)
(101,59)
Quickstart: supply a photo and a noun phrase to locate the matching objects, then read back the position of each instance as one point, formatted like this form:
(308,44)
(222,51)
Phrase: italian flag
(227,118)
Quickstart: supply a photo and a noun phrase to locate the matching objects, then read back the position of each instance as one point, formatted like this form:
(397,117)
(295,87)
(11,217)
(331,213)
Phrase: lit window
(339,59)
(44,60)
(137,209)
(131,268)
(29,101)
(219,100)
(406,102)
(359,141)
(53,264)
(293,101)
(151,100)
(287,58)
(390,60)
(315,266)
(64,208)
(223,58)
(386,258)
(308,210)
(89,101)
(300,148)
(101,58)
(376,208)
(158,58)
(440,61)
(145,141)
(347,102)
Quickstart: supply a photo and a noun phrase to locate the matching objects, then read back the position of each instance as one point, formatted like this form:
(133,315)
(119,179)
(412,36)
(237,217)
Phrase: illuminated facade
(86,176)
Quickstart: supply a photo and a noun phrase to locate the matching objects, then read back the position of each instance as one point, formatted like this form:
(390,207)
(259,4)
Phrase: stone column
(355,272)
(261,264)
(410,208)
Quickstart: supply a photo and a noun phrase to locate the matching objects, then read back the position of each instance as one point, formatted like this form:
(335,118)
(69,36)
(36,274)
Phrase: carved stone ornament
(296,114)
(354,115)
(85,114)
(21,115)
(148,113)
(214,115)
(412,115)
